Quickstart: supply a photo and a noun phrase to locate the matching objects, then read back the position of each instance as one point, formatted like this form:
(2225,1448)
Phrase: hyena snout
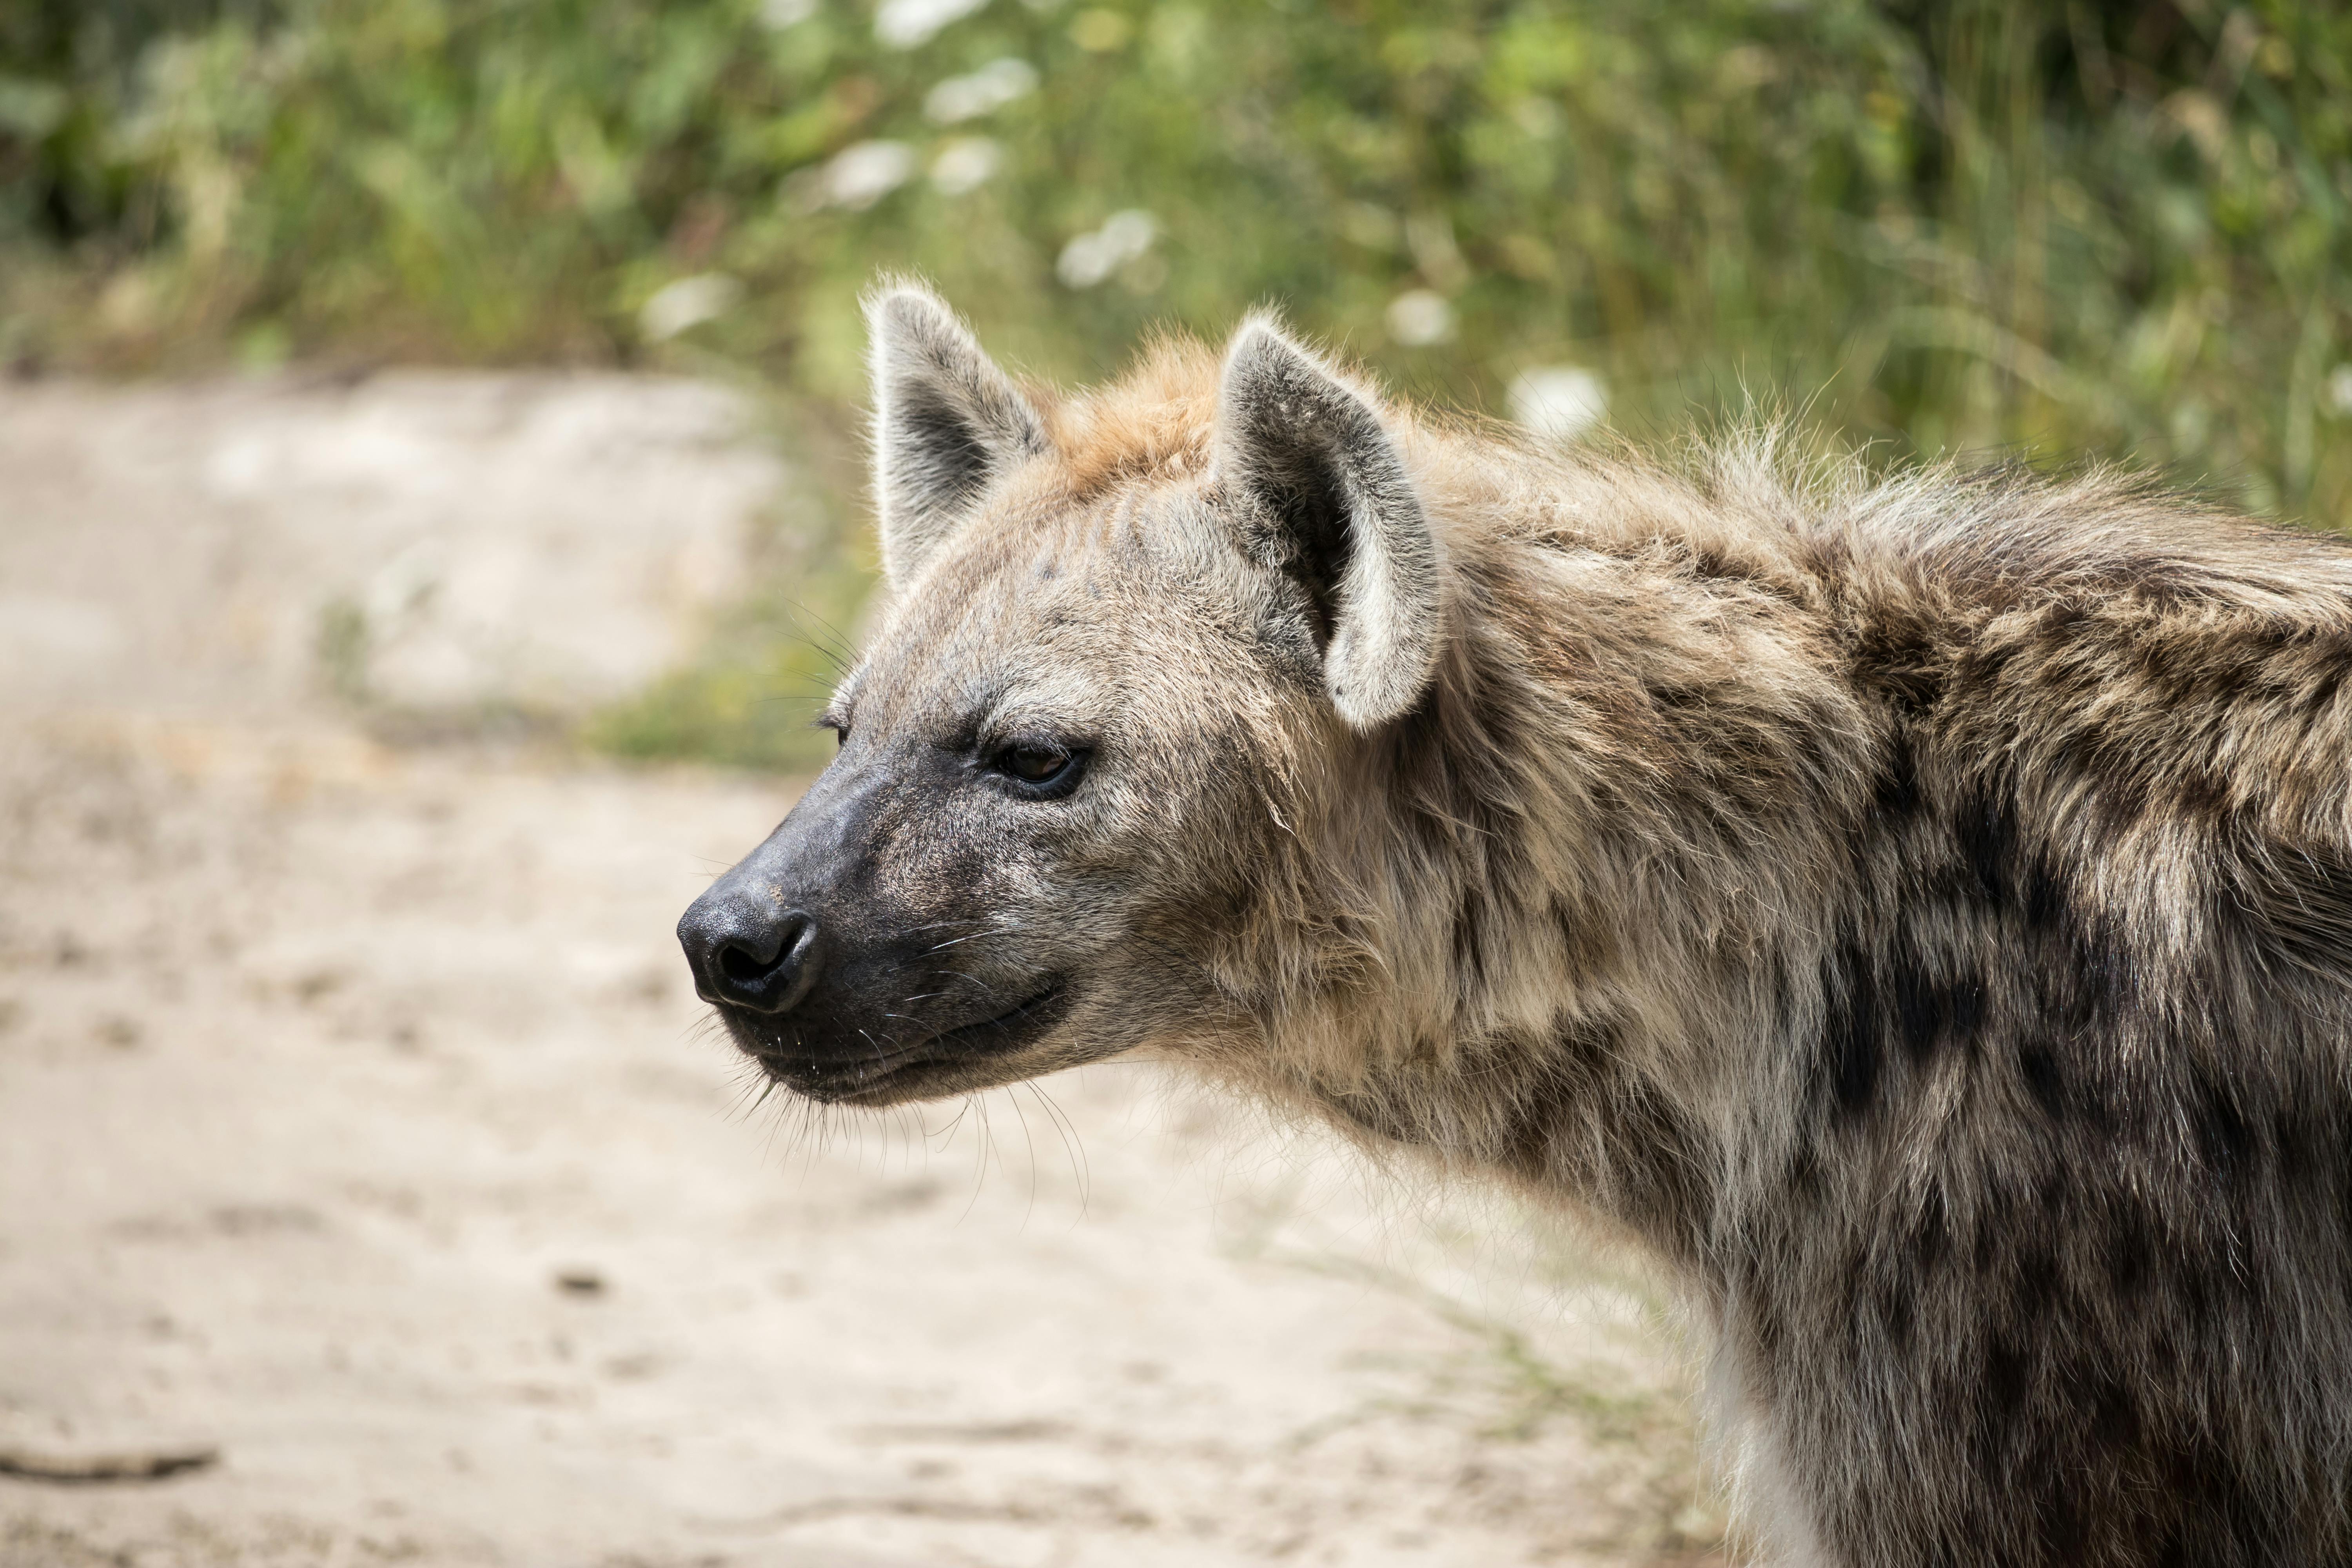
(747,952)
(854,962)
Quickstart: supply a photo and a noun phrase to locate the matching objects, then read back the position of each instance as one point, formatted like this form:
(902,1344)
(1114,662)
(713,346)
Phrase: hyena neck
(1591,860)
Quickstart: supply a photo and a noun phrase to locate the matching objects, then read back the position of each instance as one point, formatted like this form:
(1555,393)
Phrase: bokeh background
(2048,229)
(430,513)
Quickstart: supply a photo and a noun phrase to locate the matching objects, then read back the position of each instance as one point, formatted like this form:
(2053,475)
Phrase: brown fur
(1917,913)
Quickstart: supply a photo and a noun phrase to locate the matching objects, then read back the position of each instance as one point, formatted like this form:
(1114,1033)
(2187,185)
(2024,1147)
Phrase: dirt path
(356,1127)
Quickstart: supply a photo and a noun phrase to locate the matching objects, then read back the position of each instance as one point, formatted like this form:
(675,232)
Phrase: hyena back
(1917,914)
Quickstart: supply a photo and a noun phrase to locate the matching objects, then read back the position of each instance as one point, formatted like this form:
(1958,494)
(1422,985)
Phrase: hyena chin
(1916,914)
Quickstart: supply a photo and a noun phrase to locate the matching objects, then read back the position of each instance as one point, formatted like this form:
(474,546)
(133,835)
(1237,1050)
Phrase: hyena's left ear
(1324,493)
(946,422)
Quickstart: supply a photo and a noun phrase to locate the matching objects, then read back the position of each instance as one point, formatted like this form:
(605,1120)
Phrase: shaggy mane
(1154,423)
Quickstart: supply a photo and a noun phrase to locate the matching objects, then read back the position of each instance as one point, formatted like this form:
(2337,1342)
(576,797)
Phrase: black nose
(747,953)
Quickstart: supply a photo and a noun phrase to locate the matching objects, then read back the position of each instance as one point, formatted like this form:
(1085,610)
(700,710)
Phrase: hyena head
(1133,638)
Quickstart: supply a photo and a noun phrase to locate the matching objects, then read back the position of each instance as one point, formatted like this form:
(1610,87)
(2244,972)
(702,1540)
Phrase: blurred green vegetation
(771,663)
(2052,228)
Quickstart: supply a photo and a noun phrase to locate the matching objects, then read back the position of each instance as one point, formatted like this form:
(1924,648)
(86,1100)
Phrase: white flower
(1091,258)
(1419,317)
(862,174)
(1558,402)
(985,90)
(2340,389)
(965,164)
(903,23)
(687,302)
(782,13)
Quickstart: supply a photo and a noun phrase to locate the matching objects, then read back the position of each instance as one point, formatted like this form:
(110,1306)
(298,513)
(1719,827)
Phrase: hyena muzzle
(1916,914)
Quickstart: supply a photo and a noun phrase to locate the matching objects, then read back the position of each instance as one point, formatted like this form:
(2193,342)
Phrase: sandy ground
(358,1129)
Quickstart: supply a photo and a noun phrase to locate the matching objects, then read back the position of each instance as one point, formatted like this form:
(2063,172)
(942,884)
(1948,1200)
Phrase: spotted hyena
(1916,914)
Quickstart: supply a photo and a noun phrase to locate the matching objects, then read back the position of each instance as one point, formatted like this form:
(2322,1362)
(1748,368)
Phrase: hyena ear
(1324,495)
(946,423)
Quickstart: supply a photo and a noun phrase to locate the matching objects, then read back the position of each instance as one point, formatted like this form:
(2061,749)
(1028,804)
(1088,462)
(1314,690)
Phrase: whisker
(978,1104)
(1000,930)
(1013,1099)
(1072,1145)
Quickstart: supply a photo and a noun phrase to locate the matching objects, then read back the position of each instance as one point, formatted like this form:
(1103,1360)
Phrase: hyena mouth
(943,1064)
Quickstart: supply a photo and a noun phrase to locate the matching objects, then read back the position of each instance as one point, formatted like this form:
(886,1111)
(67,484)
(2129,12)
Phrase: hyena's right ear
(946,422)
(1323,491)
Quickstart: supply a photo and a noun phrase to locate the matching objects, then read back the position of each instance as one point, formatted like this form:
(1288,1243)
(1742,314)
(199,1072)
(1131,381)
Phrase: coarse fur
(1914,912)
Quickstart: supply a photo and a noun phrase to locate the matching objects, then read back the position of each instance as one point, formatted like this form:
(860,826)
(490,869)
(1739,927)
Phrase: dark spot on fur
(1930,1012)
(1583,941)
(1627,1146)
(2062,623)
(2198,794)
(2005,1383)
(2115,1414)
(1663,1190)
(1805,1175)
(1965,1007)
(1852,1035)
(1983,665)
(2062,1516)
(1544,1102)
(1985,825)
(2272,634)
(1894,799)
(2055,1193)
(1920,1005)
(2193,1296)
(1894,657)
(1680,699)
(2045,894)
(2122,794)
(2081,975)
(2321,693)
(2225,1140)
(2125,1248)
(1895,1303)
(2037,1064)
(2223,1519)
(1469,935)
(1765,1328)
(2036,1289)
(2298,1142)
(1989,1244)
(1931,1237)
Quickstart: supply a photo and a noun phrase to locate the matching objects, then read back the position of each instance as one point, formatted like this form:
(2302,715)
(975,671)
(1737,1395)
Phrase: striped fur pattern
(1914,912)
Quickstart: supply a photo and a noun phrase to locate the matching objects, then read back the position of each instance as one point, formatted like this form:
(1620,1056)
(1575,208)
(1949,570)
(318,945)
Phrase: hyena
(1916,914)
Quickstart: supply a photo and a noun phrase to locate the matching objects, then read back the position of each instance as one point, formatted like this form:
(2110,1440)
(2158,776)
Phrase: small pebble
(580,1281)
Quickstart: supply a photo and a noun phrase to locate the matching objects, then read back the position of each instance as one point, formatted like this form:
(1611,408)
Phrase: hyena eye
(1035,765)
(1040,770)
